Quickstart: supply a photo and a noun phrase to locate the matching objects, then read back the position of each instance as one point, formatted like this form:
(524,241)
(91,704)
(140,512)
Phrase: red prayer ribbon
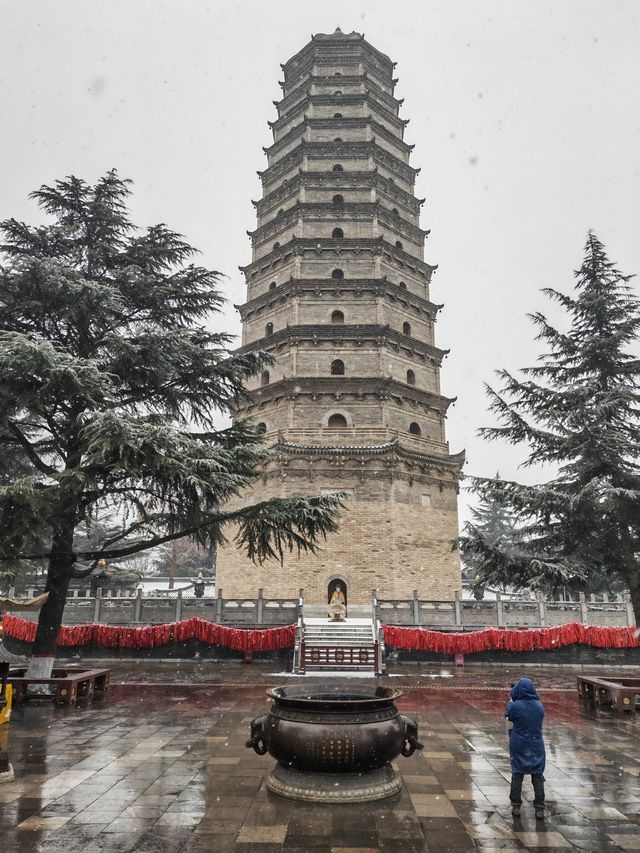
(518,640)
(268,639)
(151,636)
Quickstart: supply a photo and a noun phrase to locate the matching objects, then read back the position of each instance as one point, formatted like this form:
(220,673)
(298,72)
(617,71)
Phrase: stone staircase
(337,646)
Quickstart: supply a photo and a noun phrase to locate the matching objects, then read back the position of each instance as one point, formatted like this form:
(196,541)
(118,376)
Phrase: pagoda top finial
(337,30)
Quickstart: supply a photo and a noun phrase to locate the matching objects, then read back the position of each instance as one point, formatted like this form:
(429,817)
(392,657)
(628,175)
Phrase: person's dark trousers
(515,795)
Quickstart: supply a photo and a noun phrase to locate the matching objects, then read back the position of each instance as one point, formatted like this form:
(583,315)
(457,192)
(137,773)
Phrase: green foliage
(268,529)
(577,411)
(111,385)
(492,522)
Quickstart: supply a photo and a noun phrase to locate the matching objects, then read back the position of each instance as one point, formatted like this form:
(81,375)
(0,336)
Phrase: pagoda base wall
(394,536)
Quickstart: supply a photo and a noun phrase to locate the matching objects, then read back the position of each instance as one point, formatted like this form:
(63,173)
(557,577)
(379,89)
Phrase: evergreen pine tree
(491,519)
(577,410)
(111,383)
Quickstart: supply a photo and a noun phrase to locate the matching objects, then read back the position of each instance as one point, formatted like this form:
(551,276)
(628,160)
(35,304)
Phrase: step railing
(378,636)
(298,647)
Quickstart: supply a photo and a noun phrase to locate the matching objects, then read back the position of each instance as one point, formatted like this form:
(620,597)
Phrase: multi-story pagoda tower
(338,292)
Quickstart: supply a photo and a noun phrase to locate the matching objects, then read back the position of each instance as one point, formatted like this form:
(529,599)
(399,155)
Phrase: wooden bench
(69,684)
(619,691)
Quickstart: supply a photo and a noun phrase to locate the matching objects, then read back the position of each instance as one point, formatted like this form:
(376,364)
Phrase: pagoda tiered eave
(453,462)
(359,210)
(339,287)
(337,49)
(343,388)
(343,246)
(378,335)
(350,99)
(341,180)
(312,80)
(336,151)
(339,124)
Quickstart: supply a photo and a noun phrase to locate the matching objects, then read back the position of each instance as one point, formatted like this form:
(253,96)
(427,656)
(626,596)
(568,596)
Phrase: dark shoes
(516,809)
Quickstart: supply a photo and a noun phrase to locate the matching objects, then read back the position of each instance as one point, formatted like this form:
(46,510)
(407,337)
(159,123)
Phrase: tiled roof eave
(453,462)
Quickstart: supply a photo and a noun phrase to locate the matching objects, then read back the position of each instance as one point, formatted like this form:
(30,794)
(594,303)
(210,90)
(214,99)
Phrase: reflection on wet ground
(161,766)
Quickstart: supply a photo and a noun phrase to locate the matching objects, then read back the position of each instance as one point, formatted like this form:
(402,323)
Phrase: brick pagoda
(338,292)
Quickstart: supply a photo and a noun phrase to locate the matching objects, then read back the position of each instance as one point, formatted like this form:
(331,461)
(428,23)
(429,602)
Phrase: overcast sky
(524,116)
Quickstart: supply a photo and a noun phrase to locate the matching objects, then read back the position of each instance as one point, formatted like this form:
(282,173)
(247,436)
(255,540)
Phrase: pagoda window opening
(338,115)
(338,273)
(276,245)
(281,211)
(337,318)
(261,428)
(338,139)
(403,285)
(406,328)
(338,168)
(337,73)
(268,329)
(395,210)
(338,199)
(398,244)
(414,428)
(337,367)
(337,92)
(411,377)
(273,285)
(337,233)
(337,421)
(265,378)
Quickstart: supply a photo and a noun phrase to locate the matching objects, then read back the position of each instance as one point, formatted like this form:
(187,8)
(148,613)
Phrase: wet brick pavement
(160,766)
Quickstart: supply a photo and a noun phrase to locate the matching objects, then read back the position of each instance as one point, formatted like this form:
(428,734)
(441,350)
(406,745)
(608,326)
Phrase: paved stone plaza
(162,767)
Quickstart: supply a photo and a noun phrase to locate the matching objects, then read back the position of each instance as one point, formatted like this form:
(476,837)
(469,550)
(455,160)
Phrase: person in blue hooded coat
(526,744)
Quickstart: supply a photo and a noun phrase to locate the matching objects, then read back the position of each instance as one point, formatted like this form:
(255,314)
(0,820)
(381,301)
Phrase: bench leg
(65,693)
(627,702)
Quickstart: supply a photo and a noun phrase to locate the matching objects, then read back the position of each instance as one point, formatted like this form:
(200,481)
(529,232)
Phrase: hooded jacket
(526,712)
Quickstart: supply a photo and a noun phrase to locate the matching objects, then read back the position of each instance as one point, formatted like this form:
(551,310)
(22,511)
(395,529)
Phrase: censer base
(334,787)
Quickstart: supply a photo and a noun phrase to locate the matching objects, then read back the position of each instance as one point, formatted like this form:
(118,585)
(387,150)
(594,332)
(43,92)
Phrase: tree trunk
(174,564)
(631,568)
(634,591)
(44,647)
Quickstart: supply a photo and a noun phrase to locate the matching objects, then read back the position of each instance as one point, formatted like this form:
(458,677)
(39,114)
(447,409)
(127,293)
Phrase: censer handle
(257,740)
(411,742)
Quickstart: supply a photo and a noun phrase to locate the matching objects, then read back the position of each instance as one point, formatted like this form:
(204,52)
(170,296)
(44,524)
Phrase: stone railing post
(301,602)
(179,606)
(499,610)
(98,604)
(137,607)
(631,616)
(259,607)
(416,608)
(374,605)
(457,606)
(584,613)
(542,611)
(219,607)
(12,592)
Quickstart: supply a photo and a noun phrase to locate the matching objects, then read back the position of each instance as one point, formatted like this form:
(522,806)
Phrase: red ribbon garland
(151,636)
(420,639)
(268,639)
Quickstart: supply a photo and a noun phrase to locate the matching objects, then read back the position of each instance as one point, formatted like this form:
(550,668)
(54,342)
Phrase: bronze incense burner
(332,744)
